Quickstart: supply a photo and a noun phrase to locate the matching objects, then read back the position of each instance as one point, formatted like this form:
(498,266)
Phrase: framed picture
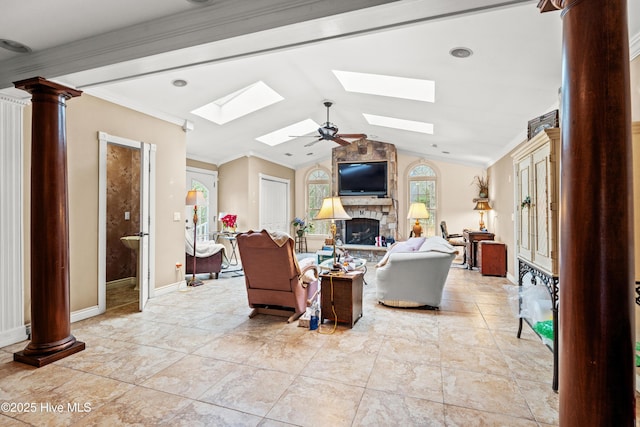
(549,120)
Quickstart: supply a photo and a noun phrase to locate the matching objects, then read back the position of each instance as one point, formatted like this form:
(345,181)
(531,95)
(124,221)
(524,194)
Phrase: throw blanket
(203,249)
(280,238)
(418,244)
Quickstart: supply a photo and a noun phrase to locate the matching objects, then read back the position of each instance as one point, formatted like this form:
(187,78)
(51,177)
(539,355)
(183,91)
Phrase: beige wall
(86,116)
(239,188)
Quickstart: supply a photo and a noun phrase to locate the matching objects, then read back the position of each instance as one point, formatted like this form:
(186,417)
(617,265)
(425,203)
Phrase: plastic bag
(531,302)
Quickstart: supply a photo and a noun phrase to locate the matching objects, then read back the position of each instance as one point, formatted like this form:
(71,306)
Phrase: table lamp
(194,198)
(332,209)
(482,206)
(417,211)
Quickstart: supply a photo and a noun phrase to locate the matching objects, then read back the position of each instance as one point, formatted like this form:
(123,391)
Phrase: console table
(472,238)
(551,284)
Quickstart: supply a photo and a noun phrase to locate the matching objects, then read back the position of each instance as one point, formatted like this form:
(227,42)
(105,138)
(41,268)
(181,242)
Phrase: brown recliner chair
(276,282)
(454,240)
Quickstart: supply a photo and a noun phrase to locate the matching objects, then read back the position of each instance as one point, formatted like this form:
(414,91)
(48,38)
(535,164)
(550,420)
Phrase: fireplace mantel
(366,201)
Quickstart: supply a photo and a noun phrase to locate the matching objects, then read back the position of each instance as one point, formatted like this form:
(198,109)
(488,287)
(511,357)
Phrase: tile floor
(194,358)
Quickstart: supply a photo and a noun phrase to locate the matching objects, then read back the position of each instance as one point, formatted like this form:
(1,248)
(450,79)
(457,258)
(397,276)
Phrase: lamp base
(195,282)
(417,229)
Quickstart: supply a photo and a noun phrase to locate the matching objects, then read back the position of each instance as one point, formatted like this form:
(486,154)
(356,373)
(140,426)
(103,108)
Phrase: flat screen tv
(362,179)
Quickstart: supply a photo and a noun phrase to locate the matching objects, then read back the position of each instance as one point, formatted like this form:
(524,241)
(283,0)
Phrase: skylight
(288,133)
(239,103)
(396,87)
(391,122)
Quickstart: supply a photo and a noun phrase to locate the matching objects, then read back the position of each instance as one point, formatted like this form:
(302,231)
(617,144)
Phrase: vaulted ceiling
(131,52)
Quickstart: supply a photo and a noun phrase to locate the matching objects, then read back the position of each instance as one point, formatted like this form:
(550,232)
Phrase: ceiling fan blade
(309,144)
(352,135)
(340,141)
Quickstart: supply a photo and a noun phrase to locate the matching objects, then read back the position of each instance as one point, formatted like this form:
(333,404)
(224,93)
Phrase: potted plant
(482,184)
(301,226)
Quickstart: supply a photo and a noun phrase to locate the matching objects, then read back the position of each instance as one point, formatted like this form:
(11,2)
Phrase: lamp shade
(418,211)
(194,198)
(482,206)
(332,209)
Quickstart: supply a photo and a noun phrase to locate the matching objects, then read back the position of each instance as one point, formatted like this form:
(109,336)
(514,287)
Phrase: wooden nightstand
(347,296)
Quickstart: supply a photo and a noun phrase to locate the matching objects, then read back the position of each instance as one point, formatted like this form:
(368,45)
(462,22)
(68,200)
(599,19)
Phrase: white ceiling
(482,103)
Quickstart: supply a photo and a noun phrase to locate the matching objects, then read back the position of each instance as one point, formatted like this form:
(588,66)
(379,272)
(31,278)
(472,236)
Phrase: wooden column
(51,337)
(596,257)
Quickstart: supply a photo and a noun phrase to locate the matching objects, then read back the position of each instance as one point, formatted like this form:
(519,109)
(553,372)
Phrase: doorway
(126,222)
(207,182)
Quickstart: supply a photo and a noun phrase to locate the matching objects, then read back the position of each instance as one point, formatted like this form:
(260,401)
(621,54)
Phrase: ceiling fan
(329,131)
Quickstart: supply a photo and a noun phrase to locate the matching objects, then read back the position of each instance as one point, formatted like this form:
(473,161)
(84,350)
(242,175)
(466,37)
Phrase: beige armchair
(276,282)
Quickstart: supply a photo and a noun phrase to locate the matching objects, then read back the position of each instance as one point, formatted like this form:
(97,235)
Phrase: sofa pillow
(411,245)
(437,244)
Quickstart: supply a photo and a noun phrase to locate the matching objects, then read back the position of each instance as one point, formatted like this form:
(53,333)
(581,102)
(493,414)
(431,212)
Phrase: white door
(207,182)
(274,203)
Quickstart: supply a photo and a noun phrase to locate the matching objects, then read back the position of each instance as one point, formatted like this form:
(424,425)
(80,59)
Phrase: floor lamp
(195,198)
(332,209)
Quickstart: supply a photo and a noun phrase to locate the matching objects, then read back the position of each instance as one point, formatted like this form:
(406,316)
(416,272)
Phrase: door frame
(145,149)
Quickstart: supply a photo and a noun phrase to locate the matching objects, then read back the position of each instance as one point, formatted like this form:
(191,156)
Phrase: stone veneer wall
(383,209)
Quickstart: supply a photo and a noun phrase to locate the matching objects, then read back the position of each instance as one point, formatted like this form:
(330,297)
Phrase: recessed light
(179,83)
(446,152)
(461,52)
(309,154)
(288,154)
(200,2)
(14,46)
(434,145)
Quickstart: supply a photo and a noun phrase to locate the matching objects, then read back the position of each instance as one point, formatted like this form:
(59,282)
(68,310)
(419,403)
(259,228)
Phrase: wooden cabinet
(346,292)
(537,186)
(492,258)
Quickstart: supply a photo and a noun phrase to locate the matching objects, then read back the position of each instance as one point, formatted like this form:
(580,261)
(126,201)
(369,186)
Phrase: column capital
(42,85)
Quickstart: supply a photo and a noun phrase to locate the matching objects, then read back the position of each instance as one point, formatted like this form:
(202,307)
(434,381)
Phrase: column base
(41,360)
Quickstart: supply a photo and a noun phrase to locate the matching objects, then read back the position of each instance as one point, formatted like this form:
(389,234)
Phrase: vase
(300,233)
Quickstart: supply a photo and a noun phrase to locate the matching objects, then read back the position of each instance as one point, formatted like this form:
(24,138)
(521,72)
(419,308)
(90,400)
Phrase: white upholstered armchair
(414,276)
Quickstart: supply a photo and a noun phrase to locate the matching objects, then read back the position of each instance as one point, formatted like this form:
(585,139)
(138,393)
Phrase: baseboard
(13,336)
(127,281)
(85,313)
(512,279)
(173,287)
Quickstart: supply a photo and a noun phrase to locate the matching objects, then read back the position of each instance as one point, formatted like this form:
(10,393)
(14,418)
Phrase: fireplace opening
(361,231)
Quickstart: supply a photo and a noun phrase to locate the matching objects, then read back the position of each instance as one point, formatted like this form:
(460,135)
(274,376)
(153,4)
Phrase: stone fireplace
(371,216)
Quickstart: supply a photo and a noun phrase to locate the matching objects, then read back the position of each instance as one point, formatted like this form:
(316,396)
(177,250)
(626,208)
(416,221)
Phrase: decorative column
(51,337)
(596,222)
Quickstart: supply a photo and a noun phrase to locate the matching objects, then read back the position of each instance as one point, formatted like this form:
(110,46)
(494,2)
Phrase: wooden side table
(492,258)
(472,238)
(347,296)
(301,244)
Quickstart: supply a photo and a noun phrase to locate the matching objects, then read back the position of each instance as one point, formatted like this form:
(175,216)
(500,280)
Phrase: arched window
(422,180)
(318,187)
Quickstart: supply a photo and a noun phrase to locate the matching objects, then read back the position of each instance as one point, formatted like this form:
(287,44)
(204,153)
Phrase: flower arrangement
(301,226)
(526,203)
(482,184)
(229,220)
